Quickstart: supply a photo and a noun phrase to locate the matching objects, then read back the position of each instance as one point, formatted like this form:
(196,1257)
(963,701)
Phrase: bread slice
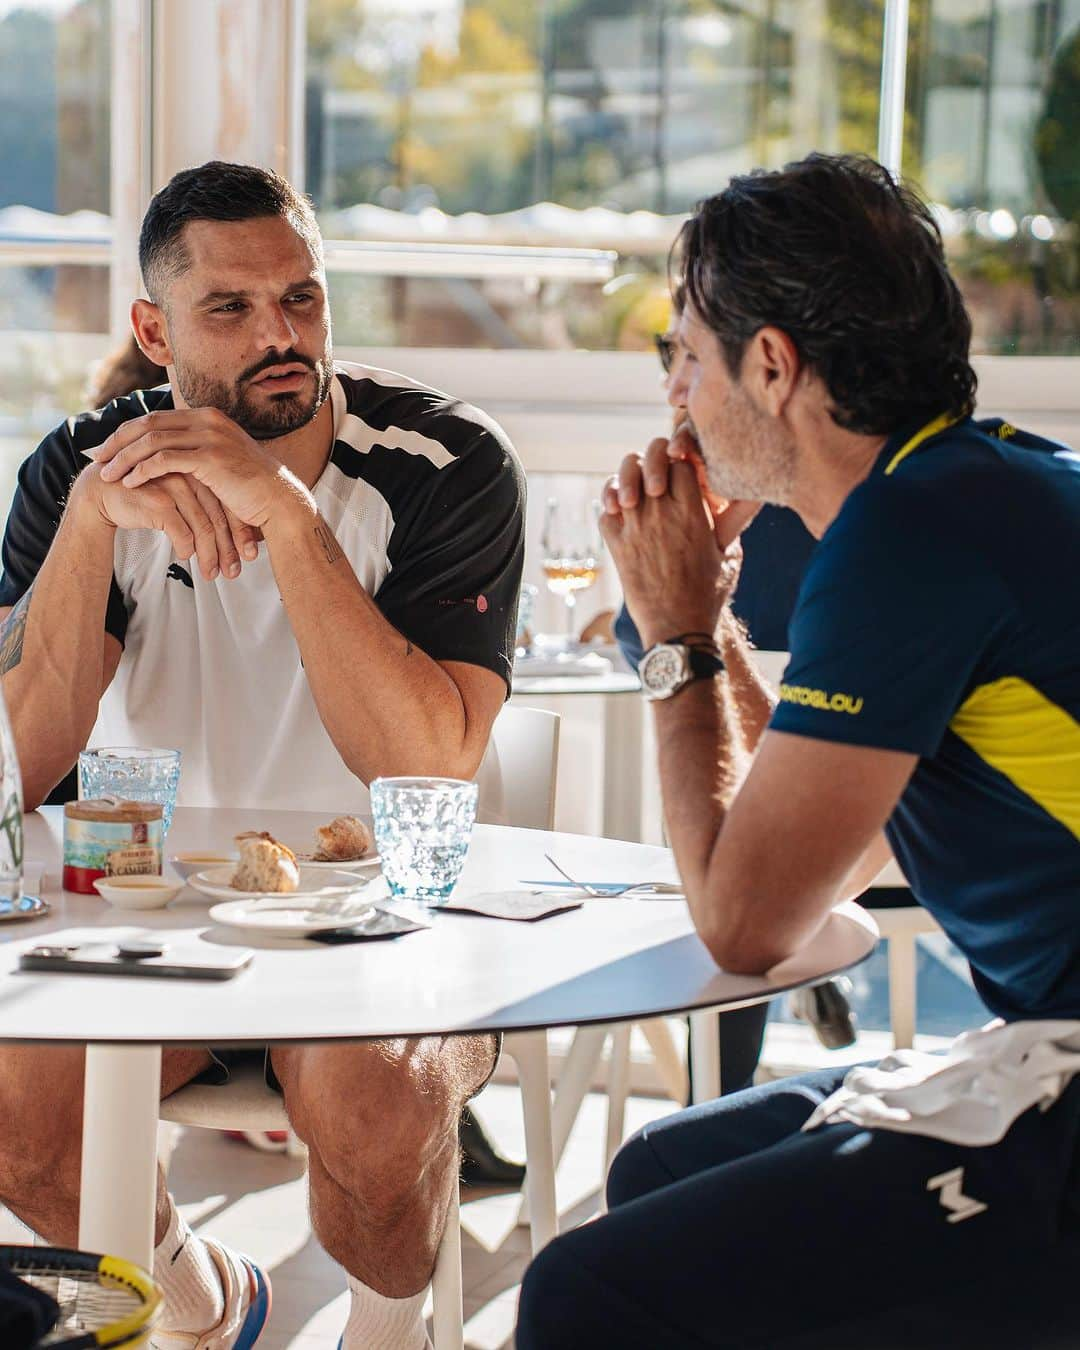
(344,840)
(265,865)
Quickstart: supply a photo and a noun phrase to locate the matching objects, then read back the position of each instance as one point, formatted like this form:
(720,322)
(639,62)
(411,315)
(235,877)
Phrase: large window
(993,135)
(558,125)
(54,203)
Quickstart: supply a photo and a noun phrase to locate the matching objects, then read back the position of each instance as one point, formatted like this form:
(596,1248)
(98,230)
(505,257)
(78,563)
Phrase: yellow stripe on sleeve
(1032,741)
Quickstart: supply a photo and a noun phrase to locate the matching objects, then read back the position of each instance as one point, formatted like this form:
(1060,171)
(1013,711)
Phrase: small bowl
(138,891)
(184,864)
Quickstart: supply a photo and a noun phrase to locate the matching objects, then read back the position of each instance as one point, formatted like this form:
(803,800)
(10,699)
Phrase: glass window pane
(993,136)
(54,183)
(560,123)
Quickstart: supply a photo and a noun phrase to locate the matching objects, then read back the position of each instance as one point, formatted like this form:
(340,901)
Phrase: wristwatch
(670,666)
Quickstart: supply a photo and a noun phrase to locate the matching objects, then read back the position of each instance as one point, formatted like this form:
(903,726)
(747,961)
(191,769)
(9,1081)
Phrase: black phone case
(154,968)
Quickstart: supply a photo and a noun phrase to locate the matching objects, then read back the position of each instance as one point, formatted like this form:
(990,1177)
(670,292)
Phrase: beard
(746,457)
(267,419)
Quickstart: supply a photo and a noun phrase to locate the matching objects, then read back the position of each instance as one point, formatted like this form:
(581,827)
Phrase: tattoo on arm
(408,647)
(11,634)
(331,547)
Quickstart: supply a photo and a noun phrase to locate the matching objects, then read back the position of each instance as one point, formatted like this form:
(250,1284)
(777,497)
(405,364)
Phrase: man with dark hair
(933,694)
(346,522)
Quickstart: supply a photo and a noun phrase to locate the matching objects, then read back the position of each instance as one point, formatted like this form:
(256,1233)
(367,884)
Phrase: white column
(129,169)
(226,83)
(893,85)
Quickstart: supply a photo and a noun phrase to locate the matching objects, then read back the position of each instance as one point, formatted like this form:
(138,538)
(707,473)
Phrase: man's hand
(182,508)
(207,447)
(674,543)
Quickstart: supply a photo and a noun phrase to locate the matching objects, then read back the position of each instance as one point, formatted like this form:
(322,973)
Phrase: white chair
(901,926)
(527,744)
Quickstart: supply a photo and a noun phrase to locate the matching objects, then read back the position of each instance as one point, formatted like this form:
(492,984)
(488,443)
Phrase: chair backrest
(770,665)
(526,742)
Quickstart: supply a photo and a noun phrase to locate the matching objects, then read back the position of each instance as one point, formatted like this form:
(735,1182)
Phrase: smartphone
(157,960)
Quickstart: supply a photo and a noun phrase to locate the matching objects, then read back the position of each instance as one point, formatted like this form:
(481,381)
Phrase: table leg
(623,717)
(530,1053)
(448,1316)
(119,1151)
(705,1055)
(618,1090)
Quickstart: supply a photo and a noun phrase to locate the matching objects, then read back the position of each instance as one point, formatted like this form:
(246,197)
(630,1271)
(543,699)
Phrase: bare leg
(41,1108)
(380,1121)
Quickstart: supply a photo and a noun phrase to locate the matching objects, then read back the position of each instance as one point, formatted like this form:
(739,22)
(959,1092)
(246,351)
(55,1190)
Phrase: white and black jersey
(426,498)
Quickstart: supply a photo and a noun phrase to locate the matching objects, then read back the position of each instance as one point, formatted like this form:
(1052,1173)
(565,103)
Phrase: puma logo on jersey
(178,573)
(952,1196)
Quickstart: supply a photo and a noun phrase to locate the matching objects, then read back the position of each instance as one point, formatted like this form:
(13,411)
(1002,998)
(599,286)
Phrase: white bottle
(11,817)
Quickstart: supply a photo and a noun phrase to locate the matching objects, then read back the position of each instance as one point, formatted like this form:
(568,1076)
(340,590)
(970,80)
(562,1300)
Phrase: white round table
(609,961)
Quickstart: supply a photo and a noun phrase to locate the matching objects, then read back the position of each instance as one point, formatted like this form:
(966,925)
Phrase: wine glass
(572,546)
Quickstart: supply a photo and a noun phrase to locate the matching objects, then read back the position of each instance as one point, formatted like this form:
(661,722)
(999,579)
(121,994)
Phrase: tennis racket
(103,1301)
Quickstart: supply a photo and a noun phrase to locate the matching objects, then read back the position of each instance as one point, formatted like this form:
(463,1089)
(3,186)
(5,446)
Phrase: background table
(611,960)
(608,783)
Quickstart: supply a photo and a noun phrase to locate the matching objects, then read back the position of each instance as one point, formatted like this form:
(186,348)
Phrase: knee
(373,1114)
(635,1171)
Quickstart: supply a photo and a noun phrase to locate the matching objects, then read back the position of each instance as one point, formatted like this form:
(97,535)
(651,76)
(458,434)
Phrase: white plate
(283,919)
(315,884)
(340,864)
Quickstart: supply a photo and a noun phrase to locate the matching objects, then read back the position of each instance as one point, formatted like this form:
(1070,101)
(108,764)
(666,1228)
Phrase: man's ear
(772,366)
(151,331)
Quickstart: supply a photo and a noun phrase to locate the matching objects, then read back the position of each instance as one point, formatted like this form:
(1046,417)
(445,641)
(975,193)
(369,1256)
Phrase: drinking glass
(572,545)
(131,773)
(422,832)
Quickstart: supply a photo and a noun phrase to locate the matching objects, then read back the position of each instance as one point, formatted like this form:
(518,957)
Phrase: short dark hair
(849,263)
(215,191)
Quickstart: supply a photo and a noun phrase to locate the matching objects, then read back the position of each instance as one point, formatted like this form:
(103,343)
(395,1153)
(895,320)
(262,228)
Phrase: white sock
(185,1273)
(380,1323)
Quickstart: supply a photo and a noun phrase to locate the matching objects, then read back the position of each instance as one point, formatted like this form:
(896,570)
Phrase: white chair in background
(527,744)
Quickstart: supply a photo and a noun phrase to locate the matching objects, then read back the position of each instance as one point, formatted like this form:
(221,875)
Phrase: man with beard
(357,546)
(931,703)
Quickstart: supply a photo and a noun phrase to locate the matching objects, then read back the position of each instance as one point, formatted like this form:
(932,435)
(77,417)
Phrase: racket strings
(87,1302)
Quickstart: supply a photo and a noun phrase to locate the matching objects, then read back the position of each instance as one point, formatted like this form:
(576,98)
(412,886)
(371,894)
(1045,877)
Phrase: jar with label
(109,837)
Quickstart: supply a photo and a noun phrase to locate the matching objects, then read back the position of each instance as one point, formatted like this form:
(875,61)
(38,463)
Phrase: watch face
(663,670)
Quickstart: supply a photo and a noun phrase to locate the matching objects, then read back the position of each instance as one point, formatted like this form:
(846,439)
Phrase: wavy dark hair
(215,191)
(849,263)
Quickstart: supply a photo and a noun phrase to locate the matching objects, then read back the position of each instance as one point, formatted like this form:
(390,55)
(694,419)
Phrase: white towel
(969,1095)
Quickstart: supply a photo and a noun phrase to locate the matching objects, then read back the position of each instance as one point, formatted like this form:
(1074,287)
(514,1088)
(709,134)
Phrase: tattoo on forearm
(408,647)
(331,547)
(11,634)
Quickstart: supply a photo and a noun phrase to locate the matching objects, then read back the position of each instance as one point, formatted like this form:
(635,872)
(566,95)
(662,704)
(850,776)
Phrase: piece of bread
(265,865)
(344,840)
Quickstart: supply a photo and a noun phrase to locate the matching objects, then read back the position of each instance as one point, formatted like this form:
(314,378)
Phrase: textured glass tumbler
(422,832)
(133,774)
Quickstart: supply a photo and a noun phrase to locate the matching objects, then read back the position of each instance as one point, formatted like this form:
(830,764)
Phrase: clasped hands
(197,476)
(675,542)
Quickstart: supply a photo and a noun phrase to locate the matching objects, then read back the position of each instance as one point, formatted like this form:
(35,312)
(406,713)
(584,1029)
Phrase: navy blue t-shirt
(940,615)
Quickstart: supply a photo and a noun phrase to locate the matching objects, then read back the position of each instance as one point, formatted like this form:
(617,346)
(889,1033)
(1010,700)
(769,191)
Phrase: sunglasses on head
(665,349)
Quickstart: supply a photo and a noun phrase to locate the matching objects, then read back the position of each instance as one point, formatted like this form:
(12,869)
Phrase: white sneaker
(247,1306)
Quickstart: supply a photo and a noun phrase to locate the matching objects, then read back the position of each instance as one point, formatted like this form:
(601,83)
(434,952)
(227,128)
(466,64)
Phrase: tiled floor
(256,1202)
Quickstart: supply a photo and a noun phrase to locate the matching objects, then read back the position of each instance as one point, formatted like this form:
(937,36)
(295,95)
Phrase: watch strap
(704,662)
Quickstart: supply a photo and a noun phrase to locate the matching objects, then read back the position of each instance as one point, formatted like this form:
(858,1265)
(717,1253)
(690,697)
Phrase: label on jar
(108,848)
